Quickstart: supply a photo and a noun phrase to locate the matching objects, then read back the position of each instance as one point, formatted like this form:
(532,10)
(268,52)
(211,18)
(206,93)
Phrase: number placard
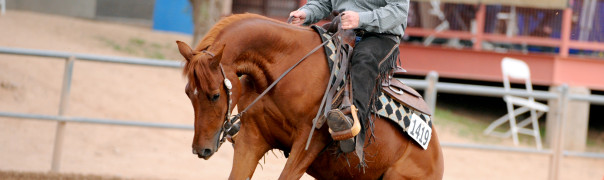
(419,131)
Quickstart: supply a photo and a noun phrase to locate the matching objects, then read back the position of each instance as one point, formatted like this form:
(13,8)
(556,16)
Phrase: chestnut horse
(252,51)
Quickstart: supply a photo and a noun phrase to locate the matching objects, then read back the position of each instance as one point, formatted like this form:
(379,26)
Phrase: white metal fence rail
(430,85)
(65,92)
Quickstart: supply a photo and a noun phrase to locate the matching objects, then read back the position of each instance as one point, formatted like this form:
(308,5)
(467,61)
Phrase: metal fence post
(3,4)
(430,92)
(65,90)
(558,142)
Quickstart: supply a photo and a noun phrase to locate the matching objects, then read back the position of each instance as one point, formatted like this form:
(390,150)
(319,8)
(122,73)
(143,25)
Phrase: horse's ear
(218,56)
(185,50)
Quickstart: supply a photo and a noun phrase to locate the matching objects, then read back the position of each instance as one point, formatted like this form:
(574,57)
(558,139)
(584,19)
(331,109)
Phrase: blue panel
(173,15)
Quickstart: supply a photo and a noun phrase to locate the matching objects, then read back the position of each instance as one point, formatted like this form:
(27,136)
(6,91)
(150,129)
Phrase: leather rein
(231,123)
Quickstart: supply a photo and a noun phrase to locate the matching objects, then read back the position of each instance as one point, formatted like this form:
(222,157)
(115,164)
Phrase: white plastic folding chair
(517,69)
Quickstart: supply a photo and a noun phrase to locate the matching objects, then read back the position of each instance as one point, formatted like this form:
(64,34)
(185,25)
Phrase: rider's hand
(299,17)
(350,20)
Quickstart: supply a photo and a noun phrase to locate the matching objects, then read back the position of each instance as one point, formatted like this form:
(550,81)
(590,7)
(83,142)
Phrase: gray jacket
(378,16)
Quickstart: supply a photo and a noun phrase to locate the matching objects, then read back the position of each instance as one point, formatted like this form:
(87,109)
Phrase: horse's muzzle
(204,153)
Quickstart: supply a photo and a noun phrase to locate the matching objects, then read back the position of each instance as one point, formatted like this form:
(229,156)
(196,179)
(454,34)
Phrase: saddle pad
(330,47)
(403,116)
(330,53)
(386,106)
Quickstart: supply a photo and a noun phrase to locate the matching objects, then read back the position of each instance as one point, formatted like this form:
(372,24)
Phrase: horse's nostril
(206,152)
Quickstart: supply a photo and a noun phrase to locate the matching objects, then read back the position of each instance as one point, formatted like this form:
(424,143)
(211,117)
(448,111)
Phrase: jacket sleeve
(385,18)
(316,10)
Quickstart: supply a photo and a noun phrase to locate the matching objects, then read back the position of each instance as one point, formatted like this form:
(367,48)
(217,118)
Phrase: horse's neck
(266,50)
(267,54)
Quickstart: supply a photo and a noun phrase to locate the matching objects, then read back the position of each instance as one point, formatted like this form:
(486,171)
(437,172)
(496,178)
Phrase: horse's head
(207,90)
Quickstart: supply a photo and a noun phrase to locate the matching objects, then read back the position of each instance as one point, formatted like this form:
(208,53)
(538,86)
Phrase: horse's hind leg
(417,163)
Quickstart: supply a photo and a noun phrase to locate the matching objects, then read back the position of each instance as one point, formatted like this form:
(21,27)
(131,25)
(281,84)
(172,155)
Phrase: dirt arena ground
(151,94)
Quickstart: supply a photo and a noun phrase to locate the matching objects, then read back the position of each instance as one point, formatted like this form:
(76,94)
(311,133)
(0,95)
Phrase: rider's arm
(385,18)
(316,10)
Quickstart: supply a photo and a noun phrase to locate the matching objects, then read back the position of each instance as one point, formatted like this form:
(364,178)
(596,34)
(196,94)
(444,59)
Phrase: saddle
(405,95)
(339,91)
(393,88)
(338,94)
(397,102)
(347,36)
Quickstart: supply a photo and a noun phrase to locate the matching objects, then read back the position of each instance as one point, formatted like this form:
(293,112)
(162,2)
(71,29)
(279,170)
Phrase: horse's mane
(211,36)
(192,66)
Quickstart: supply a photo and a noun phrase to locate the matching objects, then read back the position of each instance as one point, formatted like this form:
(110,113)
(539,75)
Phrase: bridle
(227,124)
(231,124)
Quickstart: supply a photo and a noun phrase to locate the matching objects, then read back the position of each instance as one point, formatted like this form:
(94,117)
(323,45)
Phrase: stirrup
(344,134)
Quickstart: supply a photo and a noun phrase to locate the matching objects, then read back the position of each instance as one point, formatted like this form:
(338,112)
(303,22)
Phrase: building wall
(271,8)
(129,11)
(75,8)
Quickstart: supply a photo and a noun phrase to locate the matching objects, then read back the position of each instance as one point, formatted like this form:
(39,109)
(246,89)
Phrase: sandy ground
(151,94)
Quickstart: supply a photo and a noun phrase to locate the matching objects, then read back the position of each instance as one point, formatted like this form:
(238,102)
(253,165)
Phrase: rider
(380,25)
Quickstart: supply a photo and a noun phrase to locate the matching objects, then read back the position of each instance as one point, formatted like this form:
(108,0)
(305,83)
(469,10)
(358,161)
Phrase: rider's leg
(364,71)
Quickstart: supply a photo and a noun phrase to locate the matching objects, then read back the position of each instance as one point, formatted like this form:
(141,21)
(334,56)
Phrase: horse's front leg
(249,148)
(300,159)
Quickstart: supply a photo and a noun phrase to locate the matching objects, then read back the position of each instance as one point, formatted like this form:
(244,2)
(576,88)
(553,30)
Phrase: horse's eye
(215,97)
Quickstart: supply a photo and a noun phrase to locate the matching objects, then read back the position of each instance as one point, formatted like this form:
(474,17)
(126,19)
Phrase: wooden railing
(478,35)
